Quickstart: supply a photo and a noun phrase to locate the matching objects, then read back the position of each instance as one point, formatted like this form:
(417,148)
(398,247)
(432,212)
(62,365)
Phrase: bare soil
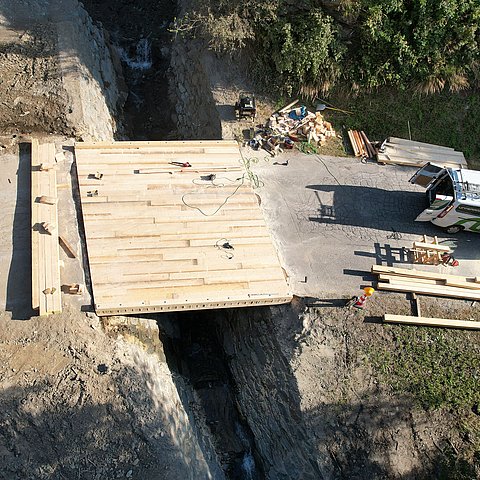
(31,90)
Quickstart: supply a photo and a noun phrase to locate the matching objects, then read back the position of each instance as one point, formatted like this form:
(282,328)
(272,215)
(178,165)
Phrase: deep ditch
(139,34)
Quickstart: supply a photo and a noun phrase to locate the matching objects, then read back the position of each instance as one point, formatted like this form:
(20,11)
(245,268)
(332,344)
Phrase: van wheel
(454,229)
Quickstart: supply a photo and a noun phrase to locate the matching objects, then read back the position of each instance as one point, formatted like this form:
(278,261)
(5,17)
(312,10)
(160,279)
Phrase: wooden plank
(418,273)
(437,159)
(152,144)
(35,188)
(355,149)
(431,246)
(114,309)
(432,322)
(462,284)
(434,290)
(382,158)
(403,141)
(46,293)
(407,280)
(68,249)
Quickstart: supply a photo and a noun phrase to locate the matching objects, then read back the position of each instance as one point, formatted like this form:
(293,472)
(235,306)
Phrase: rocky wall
(268,394)
(195,114)
(92,77)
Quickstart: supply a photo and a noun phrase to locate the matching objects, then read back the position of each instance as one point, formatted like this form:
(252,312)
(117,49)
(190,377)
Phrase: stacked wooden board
(46,293)
(159,233)
(399,151)
(361,144)
(427,283)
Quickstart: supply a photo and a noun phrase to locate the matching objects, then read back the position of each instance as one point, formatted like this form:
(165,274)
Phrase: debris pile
(290,125)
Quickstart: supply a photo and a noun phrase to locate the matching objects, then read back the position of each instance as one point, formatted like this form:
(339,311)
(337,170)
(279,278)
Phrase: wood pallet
(46,292)
(427,283)
(151,249)
(398,151)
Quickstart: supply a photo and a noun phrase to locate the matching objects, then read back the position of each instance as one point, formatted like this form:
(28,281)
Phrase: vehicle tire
(454,229)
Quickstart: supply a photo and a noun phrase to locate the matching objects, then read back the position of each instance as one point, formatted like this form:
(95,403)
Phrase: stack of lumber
(46,296)
(361,144)
(427,283)
(398,151)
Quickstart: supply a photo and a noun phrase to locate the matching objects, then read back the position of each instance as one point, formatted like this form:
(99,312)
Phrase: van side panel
(466,216)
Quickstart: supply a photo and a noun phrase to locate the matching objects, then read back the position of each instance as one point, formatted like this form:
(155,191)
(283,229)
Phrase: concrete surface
(333,218)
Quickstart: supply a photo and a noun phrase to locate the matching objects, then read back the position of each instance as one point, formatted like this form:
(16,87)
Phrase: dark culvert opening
(139,34)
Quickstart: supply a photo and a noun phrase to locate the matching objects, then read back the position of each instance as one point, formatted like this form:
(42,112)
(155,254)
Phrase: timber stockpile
(174,226)
(427,283)
(398,151)
(361,145)
(46,293)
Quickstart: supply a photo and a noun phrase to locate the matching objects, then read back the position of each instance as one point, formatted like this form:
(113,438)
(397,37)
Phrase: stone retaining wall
(195,114)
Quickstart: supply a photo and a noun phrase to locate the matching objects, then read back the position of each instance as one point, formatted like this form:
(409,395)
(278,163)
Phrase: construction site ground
(335,217)
(84,398)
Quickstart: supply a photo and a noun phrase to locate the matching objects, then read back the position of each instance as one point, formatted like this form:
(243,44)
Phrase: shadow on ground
(19,283)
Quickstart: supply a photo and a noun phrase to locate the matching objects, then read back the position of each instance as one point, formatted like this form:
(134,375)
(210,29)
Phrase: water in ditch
(139,32)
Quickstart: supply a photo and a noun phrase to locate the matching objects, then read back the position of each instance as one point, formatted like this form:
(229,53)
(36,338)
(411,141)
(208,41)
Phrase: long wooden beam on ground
(46,293)
(434,290)
(419,273)
(432,322)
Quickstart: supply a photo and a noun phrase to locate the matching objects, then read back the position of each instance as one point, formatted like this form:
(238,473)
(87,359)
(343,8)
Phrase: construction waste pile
(290,125)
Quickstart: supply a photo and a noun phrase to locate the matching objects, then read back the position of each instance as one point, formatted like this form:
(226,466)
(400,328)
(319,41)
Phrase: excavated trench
(139,34)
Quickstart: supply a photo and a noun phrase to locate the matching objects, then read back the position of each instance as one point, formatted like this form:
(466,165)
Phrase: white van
(453,197)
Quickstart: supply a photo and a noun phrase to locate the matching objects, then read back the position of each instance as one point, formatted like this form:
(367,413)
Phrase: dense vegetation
(310,46)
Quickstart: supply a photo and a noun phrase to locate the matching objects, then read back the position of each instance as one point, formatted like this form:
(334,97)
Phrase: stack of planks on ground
(361,144)
(159,233)
(398,151)
(46,293)
(427,283)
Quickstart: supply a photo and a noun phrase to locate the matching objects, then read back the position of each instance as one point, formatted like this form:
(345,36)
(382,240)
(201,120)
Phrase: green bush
(303,47)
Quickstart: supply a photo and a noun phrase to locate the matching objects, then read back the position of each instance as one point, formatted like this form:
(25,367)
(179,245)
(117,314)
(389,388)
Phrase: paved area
(333,218)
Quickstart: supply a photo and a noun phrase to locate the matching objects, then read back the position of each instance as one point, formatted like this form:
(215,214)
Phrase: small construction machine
(246,107)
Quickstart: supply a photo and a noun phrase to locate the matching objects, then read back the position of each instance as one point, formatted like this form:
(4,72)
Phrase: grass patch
(444,119)
(439,367)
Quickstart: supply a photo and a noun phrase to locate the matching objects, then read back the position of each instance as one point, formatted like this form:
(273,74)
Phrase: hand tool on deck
(180,164)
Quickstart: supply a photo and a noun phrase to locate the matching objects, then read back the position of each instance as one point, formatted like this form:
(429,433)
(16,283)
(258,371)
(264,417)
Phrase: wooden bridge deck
(156,231)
